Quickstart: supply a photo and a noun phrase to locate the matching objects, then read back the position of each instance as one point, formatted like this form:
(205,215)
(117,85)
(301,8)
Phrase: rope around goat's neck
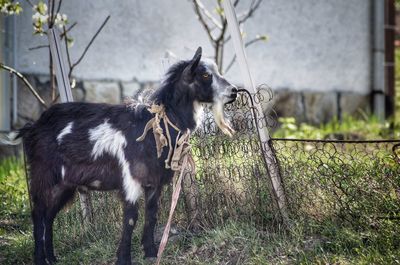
(182,146)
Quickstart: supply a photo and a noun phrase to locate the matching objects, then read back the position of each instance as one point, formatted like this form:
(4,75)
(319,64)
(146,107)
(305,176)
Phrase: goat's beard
(218,111)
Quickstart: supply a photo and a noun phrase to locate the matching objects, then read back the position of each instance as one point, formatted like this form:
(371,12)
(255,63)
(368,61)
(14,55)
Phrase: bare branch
(224,24)
(38,47)
(55,99)
(223,31)
(30,3)
(26,82)
(52,77)
(68,30)
(51,13)
(89,44)
(59,6)
(67,49)
(219,47)
(208,14)
(243,17)
(230,64)
(255,4)
(227,39)
(202,21)
(221,14)
(256,39)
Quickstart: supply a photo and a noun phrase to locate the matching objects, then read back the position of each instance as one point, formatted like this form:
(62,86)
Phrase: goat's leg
(61,196)
(129,222)
(38,218)
(48,241)
(151,198)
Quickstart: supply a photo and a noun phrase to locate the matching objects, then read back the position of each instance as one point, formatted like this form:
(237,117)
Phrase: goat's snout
(233,94)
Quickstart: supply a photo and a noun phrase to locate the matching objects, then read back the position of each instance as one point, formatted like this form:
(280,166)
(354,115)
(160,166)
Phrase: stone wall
(319,107)
(305,106)
(100,91)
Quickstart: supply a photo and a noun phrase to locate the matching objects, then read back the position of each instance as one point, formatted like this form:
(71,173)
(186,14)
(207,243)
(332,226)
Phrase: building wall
(314,45)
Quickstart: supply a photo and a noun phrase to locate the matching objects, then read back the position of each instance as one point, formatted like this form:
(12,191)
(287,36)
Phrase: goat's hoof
(41,262)
(52,259)
(150,252)
(150,260)
(124,262)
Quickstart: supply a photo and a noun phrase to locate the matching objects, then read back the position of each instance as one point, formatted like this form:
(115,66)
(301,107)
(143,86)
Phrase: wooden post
(64,89)
(269,155)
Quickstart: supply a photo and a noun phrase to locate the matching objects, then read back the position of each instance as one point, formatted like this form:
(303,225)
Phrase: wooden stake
(269,155)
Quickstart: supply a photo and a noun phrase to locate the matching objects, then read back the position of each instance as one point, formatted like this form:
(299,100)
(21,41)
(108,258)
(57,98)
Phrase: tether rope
(177,159)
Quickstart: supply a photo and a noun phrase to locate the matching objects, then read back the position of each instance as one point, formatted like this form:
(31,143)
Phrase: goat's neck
(182,115)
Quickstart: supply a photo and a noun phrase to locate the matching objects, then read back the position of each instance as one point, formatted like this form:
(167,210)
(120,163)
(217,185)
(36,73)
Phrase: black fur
(46,156)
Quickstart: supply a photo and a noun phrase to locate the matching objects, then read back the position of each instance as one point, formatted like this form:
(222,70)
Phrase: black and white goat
(94,146)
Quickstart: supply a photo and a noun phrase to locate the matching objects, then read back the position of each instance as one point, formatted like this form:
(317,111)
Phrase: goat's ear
(190,69)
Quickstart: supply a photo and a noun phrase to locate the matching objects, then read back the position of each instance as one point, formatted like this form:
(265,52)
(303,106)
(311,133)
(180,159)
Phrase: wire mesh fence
(356,183)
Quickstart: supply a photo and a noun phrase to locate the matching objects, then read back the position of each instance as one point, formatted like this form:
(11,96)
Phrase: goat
(95,146)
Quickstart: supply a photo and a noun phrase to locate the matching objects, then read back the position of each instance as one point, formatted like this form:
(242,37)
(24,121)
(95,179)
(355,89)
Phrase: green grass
(16,244)
(13,190)
(238,243)
(349,128)
(234,243)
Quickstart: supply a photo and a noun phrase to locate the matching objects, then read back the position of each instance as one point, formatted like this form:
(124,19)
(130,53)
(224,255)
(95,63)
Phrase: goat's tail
(14,138)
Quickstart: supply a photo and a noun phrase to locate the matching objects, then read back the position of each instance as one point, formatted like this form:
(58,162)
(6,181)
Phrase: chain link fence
(351,182)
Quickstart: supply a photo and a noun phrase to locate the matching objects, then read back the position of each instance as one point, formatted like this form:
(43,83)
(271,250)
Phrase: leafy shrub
(349,128)
(13,190)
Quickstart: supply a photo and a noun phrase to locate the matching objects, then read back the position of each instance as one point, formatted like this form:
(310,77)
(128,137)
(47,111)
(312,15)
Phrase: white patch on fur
(44,232)
(198,112)
(62,172)
(130,221)
(111,141)
(96,184)
(65,131)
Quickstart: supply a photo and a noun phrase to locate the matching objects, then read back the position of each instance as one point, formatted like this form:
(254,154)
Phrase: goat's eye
(206,76)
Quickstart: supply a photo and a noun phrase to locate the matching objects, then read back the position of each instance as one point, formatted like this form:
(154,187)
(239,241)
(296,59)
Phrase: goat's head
(207,85)
(194,82)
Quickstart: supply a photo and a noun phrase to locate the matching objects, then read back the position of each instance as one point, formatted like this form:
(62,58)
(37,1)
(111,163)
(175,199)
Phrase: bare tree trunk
(221,57)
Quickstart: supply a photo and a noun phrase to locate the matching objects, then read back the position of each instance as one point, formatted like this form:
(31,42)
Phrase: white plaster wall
(314,45)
